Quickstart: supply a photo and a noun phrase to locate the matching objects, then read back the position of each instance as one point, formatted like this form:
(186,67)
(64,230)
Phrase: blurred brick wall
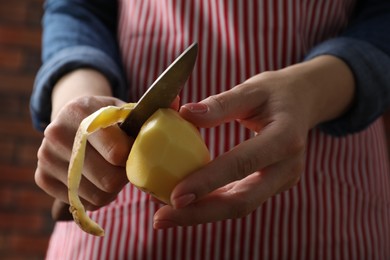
(25,223)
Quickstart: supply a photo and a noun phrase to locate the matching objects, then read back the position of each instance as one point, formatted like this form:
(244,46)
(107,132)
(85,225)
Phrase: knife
(160,94)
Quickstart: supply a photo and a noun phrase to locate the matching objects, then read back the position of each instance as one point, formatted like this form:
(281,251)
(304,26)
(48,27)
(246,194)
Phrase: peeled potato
(166,149)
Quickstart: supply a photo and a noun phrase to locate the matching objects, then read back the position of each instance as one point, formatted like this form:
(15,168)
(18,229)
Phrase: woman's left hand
(280,107)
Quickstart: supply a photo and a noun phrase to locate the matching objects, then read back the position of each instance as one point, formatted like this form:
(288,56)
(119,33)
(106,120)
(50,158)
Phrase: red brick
(26,153)
(11,105)
(6,197)
(16,175)
(18,129)
(20,36)
(33,200)
(35,13)
(20,222)
(25,108)
(25,246)
(11,59)
(15,105)
(7,149)
(21,84)
(25,223)
(13,11)
(32,61)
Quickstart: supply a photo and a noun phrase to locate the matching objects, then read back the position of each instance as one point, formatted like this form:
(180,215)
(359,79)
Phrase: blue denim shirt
(82,33)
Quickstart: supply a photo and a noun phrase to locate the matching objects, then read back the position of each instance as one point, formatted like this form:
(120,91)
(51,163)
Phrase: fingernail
(199,108)
(163,224)
(183,200)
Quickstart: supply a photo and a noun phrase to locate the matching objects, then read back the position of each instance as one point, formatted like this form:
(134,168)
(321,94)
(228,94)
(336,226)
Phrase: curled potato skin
(102,118)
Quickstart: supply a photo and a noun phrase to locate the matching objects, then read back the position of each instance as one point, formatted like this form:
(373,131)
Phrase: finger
(268,147)
(59,190)
(101,173)
(235,200)
(50,185)
(51,162)
(224,107)
(93,196)
(51,176)
(113,144)
(103,177)
(58,139)
(62,130)
(221,204)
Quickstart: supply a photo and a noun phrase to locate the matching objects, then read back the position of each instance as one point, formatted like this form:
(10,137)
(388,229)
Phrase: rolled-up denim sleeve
(365,48)
(76,34)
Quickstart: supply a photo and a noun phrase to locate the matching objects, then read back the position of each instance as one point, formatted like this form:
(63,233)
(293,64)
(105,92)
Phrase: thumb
(218,109)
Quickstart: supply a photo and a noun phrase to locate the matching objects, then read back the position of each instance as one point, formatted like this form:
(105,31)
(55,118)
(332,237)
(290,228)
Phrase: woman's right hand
(75,97)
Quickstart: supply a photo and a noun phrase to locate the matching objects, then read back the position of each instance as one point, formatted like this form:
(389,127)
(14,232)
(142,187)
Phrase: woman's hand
(280,107)
(74,98)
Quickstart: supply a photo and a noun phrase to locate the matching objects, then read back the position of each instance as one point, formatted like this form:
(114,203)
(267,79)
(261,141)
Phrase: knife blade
(162,92)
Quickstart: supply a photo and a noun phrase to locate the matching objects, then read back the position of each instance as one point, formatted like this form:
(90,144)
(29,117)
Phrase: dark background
(25,222)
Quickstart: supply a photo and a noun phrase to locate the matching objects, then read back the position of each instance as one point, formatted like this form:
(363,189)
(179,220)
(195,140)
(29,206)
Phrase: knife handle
(60,211)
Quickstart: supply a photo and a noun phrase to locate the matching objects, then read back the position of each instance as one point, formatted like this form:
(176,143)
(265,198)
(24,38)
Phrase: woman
(289,99)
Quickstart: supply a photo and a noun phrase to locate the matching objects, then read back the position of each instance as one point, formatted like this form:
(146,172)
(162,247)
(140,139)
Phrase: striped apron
(341,207)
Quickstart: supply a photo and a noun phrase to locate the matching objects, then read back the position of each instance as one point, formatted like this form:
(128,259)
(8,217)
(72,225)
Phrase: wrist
(328,86)
(79,83)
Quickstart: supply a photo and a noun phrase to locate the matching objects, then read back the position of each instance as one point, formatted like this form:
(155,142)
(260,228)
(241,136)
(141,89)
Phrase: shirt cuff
(370,67)
(63,62)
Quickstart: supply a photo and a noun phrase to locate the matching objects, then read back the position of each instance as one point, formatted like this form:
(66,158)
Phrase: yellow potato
(165,151)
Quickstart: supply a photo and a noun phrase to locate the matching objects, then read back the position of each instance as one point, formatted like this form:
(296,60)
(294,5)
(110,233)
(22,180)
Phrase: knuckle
(82,107)
(77,106)
(83,103)
(43,164)
(41,154)
(116,153)
(108,185)
(296,145)
(56,135)
(112,184)
(219,102)
(41,179)
(53,131)
(44,154)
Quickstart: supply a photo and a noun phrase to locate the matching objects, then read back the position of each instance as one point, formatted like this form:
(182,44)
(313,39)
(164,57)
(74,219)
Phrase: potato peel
(102,118)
